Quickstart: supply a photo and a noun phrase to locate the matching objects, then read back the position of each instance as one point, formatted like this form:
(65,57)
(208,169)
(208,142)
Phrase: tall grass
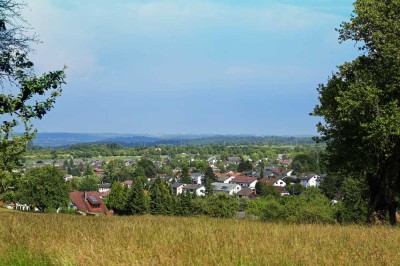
(157,240)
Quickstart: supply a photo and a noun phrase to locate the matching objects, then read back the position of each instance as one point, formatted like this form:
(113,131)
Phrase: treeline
(311,206)
(255,152)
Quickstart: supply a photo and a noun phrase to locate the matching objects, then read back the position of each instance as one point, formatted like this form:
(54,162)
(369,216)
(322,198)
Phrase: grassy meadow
(51,239)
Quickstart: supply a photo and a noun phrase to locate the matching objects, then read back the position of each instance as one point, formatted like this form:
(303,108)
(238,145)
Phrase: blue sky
(188,66)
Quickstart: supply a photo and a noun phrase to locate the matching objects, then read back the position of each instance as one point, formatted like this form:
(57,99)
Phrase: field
(50,239)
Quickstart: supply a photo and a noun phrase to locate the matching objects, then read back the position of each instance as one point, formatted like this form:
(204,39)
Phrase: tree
(43,187)
(244,166)
(305,163)
(263,190)
(160,198)
(25,96)
(117,200)
(89,171)
(209,177)
(149,167)
(137,202)
(116,171)
(185,178)
(88,183)
(360,106)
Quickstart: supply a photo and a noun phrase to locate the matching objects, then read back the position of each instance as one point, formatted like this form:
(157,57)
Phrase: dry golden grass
(152,240)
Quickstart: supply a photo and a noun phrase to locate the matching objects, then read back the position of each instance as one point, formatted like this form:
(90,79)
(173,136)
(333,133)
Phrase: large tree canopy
(24,95)
(361,105)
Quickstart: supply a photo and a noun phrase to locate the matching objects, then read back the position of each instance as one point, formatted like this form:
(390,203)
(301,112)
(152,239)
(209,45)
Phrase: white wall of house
(104,189)
(312,182)
(178,190)
(280,183)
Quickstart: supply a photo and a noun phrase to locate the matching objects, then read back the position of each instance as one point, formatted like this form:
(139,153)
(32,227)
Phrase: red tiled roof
(244,179)
(84,205)
(127,182)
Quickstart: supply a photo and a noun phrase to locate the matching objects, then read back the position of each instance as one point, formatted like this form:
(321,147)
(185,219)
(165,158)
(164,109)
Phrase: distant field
(47,239)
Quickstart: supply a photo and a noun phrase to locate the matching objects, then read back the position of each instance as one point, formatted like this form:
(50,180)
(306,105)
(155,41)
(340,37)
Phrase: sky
(188,66)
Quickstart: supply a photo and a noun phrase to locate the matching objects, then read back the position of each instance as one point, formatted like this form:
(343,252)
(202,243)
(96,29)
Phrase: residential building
(195,188)
(229,189)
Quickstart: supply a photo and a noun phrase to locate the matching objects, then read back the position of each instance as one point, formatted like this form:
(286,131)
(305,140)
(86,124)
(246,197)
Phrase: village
(235,183)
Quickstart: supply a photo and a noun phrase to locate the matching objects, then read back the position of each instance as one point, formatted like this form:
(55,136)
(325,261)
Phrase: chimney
(84,195)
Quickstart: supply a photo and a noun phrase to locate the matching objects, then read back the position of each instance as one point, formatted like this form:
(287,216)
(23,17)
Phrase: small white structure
(196,178)
(229,189)
(177,188)
(200,190)
(310,180)
(68,178)
(22,207)
(105,187)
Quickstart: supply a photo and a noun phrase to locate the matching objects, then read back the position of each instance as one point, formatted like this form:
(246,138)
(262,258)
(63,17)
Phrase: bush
(310,207)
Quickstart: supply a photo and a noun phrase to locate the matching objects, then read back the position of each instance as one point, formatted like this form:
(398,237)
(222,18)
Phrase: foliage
(295,189)
(160,198)
(209,178)
(360,105)
(263,190)
(353,208)
(221,205)
(244,166)
(310,207)
(137,200)
(305,163)
(118,198)
(43,188)
(117,171)
(88,183)
(148,166)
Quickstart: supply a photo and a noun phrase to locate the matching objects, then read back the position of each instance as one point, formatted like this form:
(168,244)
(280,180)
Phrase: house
(283,191)
(309,180)
(234,160)
(196,178)
(287,172)
(229,189)
(245,181)
(68,178)
(105,187)
(127,183)
(168,179)
(200,190)
(246,192)
(225,179)
(273,181)
(88,203)
(177,188)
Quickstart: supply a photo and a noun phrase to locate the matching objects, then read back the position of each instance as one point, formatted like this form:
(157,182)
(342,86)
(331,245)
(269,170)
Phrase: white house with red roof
(245,181)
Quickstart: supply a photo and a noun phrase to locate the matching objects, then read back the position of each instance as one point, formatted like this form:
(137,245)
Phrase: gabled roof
(176,185)
(105,185)
(244,179)
(193,186)
(269,181)
(223,178)
(245,192)
(307,176)
(223,187)
(127,182)
(84,204)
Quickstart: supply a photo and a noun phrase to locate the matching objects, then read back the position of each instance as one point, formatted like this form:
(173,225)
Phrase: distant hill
(130,140)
